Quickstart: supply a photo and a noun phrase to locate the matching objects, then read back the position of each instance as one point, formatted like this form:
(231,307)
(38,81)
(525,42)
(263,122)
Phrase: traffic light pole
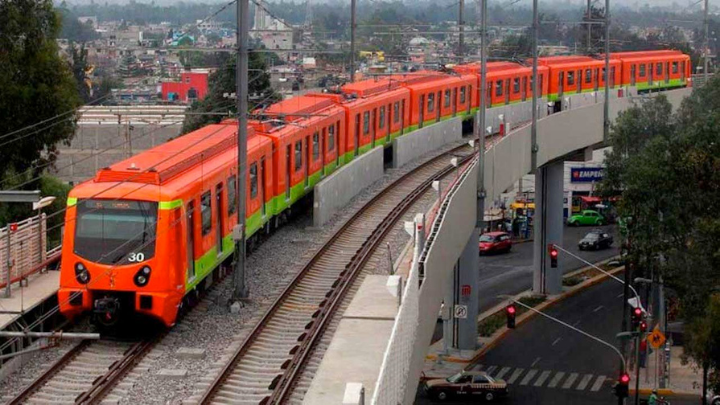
(637,369)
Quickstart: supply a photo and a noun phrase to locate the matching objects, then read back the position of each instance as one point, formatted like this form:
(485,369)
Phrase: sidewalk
(683,380)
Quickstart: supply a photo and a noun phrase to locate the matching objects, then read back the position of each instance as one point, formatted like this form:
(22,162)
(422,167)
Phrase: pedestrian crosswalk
(547,378)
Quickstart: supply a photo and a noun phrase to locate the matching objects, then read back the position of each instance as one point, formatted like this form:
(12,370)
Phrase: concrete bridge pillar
(548,226)
(462,300)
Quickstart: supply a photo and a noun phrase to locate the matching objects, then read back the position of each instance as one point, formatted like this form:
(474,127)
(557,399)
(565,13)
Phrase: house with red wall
(193,85)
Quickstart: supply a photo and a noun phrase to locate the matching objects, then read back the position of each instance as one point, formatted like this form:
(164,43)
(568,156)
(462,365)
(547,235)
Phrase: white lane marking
(528,377)
(490,369)
(556,340)
(584,382)
(502,373)
(621,295)
(541,380)
(535,362)
(515,375)
(598,308)
(569,382)
(598,383)
(556,380)
(576,323)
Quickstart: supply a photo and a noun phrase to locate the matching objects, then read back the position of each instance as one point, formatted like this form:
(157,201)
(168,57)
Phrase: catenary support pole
(608,76)
(707,42)
(480,127)
(241,75)
(461,29)
(353,25)
(536,88)
(589,25)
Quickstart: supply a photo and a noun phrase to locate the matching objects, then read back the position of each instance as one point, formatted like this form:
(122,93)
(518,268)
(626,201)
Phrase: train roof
(365,88)
(474,67)
(656,52)
(301,106)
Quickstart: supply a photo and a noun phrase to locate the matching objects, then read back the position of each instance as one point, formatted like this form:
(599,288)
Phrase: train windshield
(115,232)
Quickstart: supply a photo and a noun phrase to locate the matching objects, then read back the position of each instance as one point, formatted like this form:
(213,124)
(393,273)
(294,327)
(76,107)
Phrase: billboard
(586,174)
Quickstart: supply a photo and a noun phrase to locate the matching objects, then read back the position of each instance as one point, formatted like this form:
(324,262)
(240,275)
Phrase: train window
(588,75)
(431,102)
(381,124)
(331,138)
(498,88)
(206,212)
(298,156)
(366,122)
(642,70)
(462,95)
(516,85)
(396,112)
(316,145)
(658,70)
(232,187)
(674,67)
(571,78)
(253,180)
(447,98)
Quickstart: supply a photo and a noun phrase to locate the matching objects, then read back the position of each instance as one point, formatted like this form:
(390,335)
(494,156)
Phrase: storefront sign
(586,174)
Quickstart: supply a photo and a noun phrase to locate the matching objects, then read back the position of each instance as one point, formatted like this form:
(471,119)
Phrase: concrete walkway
(684,379)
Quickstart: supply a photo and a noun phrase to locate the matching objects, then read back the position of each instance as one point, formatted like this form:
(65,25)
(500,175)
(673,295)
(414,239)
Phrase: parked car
(596,239)
(475,384)
(587,217)
(495,242)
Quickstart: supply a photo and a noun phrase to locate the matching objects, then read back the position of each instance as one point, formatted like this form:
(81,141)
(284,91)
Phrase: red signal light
(638,312)
(511,309)
(553,252)
(625,379)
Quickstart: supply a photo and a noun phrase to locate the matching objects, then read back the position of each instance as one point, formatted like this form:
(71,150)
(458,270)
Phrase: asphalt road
(511,273)
(547,363)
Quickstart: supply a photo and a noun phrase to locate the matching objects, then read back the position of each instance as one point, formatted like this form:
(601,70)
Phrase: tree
(703,344)
(79,69)
(36,85)
(223,82)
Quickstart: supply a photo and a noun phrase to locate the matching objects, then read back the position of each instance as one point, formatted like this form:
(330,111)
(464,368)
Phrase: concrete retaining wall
(514,113)
(334,192)
(451,234)
(419,142)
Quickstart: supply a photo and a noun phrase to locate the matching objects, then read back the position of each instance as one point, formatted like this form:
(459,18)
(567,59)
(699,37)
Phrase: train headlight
(142,277)
(81,273)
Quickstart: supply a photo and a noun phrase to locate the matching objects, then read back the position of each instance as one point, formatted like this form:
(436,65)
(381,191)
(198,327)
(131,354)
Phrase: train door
(219,224)
(507,91)
(323,145)
(612,77)
(454,102)
(402,116)
(579,81)
(388,119)
(596,81)
(632,74)
(682,71)
(421,110)
(561,82)
(440,105)
(468,99)
(523,89)
(262,186)
(650,74)
(307,160)
(190,225)
(373,122)
(357,134)
(667,72)
(288,168)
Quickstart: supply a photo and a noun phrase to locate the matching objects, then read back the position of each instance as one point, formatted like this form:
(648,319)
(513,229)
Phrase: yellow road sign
(656,338)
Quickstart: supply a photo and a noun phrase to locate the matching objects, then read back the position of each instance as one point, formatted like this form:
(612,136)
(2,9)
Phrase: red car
(495,242)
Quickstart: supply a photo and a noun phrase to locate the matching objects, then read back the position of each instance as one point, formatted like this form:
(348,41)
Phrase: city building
(193,85)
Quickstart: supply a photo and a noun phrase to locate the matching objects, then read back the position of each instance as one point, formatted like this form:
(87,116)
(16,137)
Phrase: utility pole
(480,127)
(707,43)
(536,88)
(461,28)
(589,27)
(353,4)
(608,76)
(241,76)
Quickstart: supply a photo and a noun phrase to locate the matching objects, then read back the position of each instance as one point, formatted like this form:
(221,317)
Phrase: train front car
(135,245)
(115,254)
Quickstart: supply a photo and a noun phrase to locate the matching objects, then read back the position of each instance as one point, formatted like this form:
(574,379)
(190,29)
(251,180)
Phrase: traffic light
(643,326)
(510,311)
(636,318)
(622,386)
(553,255)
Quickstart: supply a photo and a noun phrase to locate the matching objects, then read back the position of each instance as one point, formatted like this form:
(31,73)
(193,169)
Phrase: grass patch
(573,281)
(489,325)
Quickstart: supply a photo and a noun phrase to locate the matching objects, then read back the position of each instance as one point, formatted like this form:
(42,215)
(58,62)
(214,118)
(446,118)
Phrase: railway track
(85,374)
(270,362)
